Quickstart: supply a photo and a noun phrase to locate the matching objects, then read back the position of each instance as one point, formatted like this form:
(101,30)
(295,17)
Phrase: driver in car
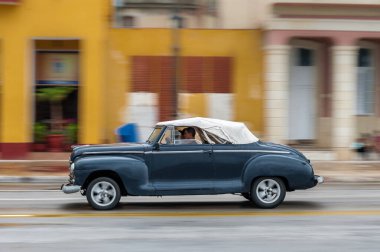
(188,134)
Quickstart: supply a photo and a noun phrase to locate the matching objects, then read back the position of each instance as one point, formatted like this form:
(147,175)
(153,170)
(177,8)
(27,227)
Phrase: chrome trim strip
(112,152)
(175,152)
(218,151)
(253,151)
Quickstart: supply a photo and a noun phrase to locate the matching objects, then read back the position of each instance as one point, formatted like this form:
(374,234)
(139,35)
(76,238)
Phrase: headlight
(72,167)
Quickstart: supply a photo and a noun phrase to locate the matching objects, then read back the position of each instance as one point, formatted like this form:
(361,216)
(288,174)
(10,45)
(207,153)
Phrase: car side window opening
(214,139)
(205,138)
(176,136)
(188,135)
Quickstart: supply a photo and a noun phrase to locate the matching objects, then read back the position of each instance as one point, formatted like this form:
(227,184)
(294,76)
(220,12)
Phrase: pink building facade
(321,74)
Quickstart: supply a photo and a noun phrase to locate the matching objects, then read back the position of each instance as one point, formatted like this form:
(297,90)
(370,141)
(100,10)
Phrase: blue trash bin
(128,133)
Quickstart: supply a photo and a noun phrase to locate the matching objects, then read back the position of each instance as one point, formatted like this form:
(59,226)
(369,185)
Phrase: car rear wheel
(103,193)
(268,192)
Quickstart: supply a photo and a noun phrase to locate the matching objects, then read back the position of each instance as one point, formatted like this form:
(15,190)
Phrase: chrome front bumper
(318,179)
(70,188)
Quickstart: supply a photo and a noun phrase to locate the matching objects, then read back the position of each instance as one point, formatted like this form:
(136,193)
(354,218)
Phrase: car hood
(107,149)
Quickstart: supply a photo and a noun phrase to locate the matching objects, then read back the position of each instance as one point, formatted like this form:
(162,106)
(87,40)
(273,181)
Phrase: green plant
(71,133)
(39,132)
(55,95)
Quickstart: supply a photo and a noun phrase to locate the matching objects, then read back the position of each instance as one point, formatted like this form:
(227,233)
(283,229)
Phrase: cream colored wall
(163,19)
(242,14)
(366,125)
(324,132)
(237,14)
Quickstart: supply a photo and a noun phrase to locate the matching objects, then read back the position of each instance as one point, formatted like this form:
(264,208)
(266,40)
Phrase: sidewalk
(39,167)
(53,168)
(348,171)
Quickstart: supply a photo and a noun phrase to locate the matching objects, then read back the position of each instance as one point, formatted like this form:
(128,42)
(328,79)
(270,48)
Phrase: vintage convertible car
(224,157)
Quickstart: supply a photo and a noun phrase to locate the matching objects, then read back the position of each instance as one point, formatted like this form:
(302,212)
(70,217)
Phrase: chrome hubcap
(103,193)
(268,191)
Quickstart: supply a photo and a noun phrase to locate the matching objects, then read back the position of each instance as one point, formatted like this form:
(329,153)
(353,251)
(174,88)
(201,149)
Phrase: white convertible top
(235,132)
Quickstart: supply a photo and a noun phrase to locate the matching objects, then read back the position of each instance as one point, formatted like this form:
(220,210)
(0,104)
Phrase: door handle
(207,151)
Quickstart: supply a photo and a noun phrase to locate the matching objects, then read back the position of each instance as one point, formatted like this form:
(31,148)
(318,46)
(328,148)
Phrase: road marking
(15,215)
(197,214)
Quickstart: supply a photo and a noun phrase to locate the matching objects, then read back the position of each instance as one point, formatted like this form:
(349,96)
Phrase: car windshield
(155,134)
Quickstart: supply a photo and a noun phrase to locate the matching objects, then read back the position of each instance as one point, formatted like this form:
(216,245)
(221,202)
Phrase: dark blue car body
(153,169)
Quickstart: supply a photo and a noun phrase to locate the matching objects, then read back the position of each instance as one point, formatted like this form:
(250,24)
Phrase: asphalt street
(331,217)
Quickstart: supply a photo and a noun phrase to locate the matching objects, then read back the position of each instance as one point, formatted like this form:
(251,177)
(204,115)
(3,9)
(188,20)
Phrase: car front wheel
(103,193)
(268,192)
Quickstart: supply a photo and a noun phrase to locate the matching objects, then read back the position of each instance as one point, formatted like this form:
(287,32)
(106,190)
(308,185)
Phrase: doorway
(56,80)
(302,94)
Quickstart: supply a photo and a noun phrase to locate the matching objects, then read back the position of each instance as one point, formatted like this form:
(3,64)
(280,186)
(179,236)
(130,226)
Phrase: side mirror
(156,146)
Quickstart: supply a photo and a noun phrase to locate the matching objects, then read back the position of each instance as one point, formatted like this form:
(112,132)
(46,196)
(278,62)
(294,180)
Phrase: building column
(16,92)
(93,100)
(344,99)
(277,93)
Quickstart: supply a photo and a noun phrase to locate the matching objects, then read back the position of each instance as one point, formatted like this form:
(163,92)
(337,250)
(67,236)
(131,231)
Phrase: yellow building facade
(105,65)
(242,47)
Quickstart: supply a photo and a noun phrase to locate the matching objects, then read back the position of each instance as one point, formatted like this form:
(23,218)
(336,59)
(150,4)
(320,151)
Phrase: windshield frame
(154,138)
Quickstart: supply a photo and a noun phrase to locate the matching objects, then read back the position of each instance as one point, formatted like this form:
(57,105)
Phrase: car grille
(71,176)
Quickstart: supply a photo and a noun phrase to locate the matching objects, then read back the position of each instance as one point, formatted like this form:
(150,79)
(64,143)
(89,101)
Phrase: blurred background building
(297,72)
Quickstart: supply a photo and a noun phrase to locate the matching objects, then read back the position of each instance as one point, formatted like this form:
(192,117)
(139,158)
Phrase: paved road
(327,218)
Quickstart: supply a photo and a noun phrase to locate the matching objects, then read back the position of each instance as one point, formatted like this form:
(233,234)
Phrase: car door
(229,162)
(182,169)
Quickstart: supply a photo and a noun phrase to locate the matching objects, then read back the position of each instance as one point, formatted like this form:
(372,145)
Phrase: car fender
(297,173)
(132,171)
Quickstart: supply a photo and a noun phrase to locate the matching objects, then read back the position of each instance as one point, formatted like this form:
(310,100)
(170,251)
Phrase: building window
(128,21)
(304,57)
(365,82)
(211,6)
(198,74)
(57,68)
(364,57)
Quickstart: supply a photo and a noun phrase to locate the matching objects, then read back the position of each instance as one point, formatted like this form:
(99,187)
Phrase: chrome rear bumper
(318,179)
(70,188)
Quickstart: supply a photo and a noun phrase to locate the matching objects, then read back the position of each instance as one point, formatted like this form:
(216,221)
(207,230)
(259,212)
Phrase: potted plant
(71,135)
(55,96)
(39,132)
